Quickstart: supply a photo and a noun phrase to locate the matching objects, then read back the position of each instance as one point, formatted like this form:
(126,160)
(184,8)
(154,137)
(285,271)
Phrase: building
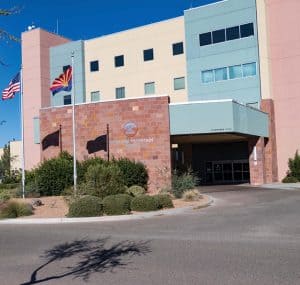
(15,154)
(215,90)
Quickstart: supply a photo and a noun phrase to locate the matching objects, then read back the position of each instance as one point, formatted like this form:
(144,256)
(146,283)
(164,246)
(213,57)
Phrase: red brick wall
(150,145)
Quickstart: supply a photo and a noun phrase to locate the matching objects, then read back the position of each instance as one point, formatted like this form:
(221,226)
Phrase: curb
(139,216)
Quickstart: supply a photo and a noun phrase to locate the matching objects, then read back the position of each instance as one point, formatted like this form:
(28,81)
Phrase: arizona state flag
(63,82)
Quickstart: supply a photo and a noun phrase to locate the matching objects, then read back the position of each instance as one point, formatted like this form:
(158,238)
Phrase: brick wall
(150,144)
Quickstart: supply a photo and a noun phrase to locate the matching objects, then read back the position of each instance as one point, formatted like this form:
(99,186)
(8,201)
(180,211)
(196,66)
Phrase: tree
(5,161)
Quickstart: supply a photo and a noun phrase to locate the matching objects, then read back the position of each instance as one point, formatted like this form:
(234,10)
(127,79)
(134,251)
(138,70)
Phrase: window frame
(91,65)
(93,93)
(116,92)
(206,44)
(145,54)
(219,32)
(69,98)
(178,45)
(119,57)
(148,84)
(179,78)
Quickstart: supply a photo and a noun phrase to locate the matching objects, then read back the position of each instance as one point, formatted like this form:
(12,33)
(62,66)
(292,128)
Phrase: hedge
(87,206)
(117,204)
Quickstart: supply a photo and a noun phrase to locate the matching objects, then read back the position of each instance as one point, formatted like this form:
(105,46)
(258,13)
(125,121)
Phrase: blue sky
(77,19)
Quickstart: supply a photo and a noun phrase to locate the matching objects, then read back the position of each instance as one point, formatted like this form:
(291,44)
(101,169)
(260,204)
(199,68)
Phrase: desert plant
(164,201)
(102,181)
(191,195)
(144,203)
(183,182)
(135,190)
(85,164)
(87,206)
(134,173)
(294,166)
(13,209)
(117,204)
(290,179)
(5,195)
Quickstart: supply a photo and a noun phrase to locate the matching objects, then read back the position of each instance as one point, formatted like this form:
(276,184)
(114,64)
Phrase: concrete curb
(139,216)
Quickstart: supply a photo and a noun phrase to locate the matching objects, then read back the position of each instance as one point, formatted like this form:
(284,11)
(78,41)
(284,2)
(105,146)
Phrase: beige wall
(135,73)
(16,155)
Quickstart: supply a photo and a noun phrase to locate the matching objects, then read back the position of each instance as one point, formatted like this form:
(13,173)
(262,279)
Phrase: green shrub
(54,175)
(294,166)
(14,209)
(5,195)
(135,190)
(164,201)
(9,186)
(144,203)
(117,204)
(102,180)
(84,165)
(87,206)
(191,195)
(134,173)
(183,182)
(290,179)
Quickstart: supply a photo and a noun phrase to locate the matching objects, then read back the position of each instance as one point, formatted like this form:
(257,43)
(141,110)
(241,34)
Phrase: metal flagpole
(22,127)
(74,127)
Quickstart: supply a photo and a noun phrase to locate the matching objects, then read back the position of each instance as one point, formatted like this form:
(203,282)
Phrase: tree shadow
(93,256)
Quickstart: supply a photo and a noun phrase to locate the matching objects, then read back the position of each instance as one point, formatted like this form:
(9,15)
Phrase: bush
(191,195)
(290,179)
(84,165)
(87,206)
(102,181)
(183,182)
(117,204)
(294,166)
(54,175)
(9,186)
(14,209)
(144,203)
(164,201)
(134,173)
(135,190)
(5,195)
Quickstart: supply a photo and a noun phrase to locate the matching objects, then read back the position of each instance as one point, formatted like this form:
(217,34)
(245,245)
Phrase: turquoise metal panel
(217,117)
(36,130)
(60,56)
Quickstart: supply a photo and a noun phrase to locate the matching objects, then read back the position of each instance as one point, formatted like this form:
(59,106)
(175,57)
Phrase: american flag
(14,86)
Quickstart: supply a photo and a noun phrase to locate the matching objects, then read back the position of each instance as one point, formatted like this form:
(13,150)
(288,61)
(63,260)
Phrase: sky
(76,20)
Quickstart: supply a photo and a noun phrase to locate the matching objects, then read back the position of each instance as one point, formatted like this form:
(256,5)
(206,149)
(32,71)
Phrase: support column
(257,160)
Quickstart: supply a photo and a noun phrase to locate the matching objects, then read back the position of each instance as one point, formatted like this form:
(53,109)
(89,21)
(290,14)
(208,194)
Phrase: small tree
(5,161)
(294,166)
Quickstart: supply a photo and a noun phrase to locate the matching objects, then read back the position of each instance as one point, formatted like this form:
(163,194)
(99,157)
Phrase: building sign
(130,129)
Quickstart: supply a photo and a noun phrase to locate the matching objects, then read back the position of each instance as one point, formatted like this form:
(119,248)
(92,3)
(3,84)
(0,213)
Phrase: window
(249,69)
(208,76)
(67,100)
(149,88)
(65,67)
(218,36)
(235,71)
(179,83)
(178,48)
(94,65)
(247,30)
(119,60)
(233,33)
(205,39)
(148,54)
(95,96)
(221,74)
(120,92)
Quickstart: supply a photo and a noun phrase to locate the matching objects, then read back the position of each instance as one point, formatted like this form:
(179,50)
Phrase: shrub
(5,195)
(9,186)
(135,190)
(84,165)
(102,181)
(294,166)
(290,179)
(144,203)
(134,173)
(164,201)
(14,209)
(191,195)
(31,190)
(54,175)
(183,182)
(87,206)
(117,204)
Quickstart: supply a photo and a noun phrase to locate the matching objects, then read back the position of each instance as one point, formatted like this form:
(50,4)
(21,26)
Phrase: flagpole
(74,127)
(22,128)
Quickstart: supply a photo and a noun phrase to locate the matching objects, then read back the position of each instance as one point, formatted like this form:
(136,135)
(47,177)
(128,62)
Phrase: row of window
(230,72)
(148,55)
(149,89)
(228,34)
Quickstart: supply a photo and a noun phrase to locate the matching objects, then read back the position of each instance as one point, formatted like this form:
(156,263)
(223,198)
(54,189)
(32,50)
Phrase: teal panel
(36,130)
(217,117)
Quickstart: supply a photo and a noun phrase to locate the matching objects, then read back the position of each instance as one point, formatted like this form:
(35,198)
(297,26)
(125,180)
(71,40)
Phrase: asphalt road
(246,237)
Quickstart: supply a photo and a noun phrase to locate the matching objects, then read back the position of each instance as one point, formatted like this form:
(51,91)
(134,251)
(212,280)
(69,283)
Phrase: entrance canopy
(217,116)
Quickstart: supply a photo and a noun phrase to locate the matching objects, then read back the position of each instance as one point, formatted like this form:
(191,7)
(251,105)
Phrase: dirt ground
(56,206)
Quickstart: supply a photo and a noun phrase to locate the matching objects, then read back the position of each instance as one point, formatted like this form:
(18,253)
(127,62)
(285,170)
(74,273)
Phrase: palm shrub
(117,204)
(135,190)
(144,203)
(87,206)
(164,201)
(13,209)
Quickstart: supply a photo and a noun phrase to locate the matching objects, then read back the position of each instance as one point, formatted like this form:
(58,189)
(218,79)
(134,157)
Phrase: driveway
(245,237)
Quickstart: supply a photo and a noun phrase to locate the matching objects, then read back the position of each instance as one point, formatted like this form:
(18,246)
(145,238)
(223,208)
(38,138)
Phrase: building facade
(210,90)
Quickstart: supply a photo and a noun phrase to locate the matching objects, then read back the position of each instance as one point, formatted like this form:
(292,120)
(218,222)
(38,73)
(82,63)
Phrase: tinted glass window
(149,88)
(67,100)
(148,54)
(247,30)
(218,36)
(249,69)
(94,65)
(65,68)
(119,60)
(120,92)
(179,83)
(178,48)
(235,72)
(208,76)
(205,39)
(232,33)
(95,96)
(221,74)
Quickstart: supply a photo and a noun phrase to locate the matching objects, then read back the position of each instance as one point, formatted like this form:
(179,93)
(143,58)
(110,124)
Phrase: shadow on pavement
(92,257)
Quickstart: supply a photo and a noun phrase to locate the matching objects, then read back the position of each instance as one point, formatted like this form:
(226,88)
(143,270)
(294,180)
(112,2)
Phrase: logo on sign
(130,129)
